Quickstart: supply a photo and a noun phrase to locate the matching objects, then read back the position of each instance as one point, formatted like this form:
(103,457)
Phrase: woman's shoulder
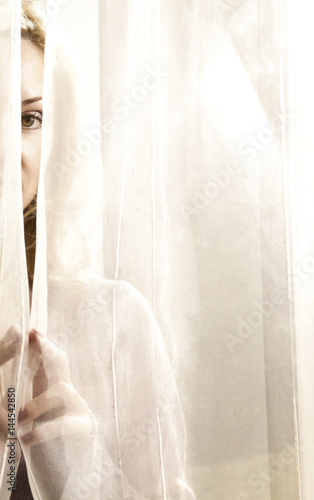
(98,299)
(129,305)
(91,286)
(119,293)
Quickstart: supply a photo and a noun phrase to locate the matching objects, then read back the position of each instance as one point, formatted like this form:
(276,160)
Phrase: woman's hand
(10,346)
(56,409)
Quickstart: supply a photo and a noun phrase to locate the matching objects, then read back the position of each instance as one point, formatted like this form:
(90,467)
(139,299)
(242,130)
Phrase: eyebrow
(30,101)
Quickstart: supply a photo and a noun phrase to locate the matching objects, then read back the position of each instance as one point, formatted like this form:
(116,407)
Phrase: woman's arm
(150,418)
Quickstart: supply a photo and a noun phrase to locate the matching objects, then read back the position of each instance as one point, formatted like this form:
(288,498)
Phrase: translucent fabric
(174,274)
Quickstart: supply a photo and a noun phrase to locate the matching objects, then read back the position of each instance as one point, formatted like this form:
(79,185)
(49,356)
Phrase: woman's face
(31,96)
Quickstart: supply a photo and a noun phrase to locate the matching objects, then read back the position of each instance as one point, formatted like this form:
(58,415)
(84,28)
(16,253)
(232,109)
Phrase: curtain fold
(13,275)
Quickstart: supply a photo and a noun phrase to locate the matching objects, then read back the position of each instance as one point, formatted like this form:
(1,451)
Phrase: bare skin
(61,410)
(32,75)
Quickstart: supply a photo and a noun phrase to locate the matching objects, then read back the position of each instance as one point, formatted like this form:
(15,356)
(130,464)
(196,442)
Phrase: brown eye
(28,121)
(31,120)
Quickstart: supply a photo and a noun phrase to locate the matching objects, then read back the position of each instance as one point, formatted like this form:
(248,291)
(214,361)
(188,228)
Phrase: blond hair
(32,29)
(32,24)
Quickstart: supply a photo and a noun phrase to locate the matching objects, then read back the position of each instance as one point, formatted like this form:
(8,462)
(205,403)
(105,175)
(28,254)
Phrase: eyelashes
(31,120)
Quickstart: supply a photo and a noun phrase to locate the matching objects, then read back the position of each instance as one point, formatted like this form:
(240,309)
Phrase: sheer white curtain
(173,264)
(13,275)
(301,40)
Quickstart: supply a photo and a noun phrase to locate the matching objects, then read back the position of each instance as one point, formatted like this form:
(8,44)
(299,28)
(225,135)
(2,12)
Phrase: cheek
(31,151)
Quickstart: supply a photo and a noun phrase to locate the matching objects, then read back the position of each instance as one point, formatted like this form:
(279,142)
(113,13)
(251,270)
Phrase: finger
(60,395)
(67,427)
(55,361)
(11,343)
(38,407)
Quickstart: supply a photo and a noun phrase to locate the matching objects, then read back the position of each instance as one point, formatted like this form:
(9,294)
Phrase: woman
(102,419)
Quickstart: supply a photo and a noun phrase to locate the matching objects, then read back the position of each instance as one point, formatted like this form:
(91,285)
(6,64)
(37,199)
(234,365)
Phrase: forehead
(32,70)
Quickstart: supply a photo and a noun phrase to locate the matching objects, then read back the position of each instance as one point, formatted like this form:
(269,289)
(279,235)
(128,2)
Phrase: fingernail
(23,413)
(36,332)
(27,439)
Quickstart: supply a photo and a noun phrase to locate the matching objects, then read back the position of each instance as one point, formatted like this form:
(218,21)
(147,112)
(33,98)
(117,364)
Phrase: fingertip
(36,332)
(27,439)
(22,415)
(15,327)
(32,335)
(15,333)
(35,340)
(35,336)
